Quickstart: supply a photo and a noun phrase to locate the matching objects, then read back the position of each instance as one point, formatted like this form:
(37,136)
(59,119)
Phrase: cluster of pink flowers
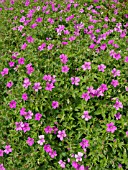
(50,80)
(22,126)
(27,115)
(92,92)
(49,150)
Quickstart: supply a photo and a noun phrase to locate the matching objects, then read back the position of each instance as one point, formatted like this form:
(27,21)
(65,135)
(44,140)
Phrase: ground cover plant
(63,85)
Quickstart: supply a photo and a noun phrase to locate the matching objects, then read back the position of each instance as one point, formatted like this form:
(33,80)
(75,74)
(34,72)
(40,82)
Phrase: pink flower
(117,56)
(30,141)
(30,39)
(50,46)
(19,126)
(79,156)
(86,66)
(39,19)
(48,129)
(61,134)
(84,143)
(28,115)
(47,77)
(11,64)
(49,86)
(1,153)
(12,104)
(42,46)
(22,19)
(26,83)
(115,72)
(47,148)
(9,84)
(23,47)
(2,167)
(127,133)
(62,164)
(29,68)
(92,46)
(111,128)
(4,71)
(65,69)
(118,105)
(24,96)
(38,116)
(52,154)
(41,140)
(26,127)
(101,67)
(37,86)
(8,149)
(33,25)
(118,116)
(85,96)
(115,83)
(20,28)
(126,59)
(55,104)
(103,46)
(64,58)
(86,116)
(75,80)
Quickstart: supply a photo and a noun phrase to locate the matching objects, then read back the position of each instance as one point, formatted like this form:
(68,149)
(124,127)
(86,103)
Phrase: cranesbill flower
(30,39)
(115,72)
(19,126)
(8,149)
(42,46)
(47,77)
(22,111)
(85,96)
(118,116)
(39,19)
(28,115)
(1,152)
(33,25)
(61,134)
(103,87)
(37,86)
(103,46)
(41,140)
(63,58)
(2,167)
(38,116)
(111,128)
(62,164)
(4,71)
(126,59)
(26,83)
(79,156)
(9,84)
(75,80)
(49,86)
(11,64)
(117,56)
(47,148)
(26,127)
(52,154)
(24,96)
(115,83)
(23,46)
(65,69)
(30,141)
(86,66)
(55,104)
(84,143)
(12,104)
(86,116)
(48,129)
(101,67)
(118,105)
